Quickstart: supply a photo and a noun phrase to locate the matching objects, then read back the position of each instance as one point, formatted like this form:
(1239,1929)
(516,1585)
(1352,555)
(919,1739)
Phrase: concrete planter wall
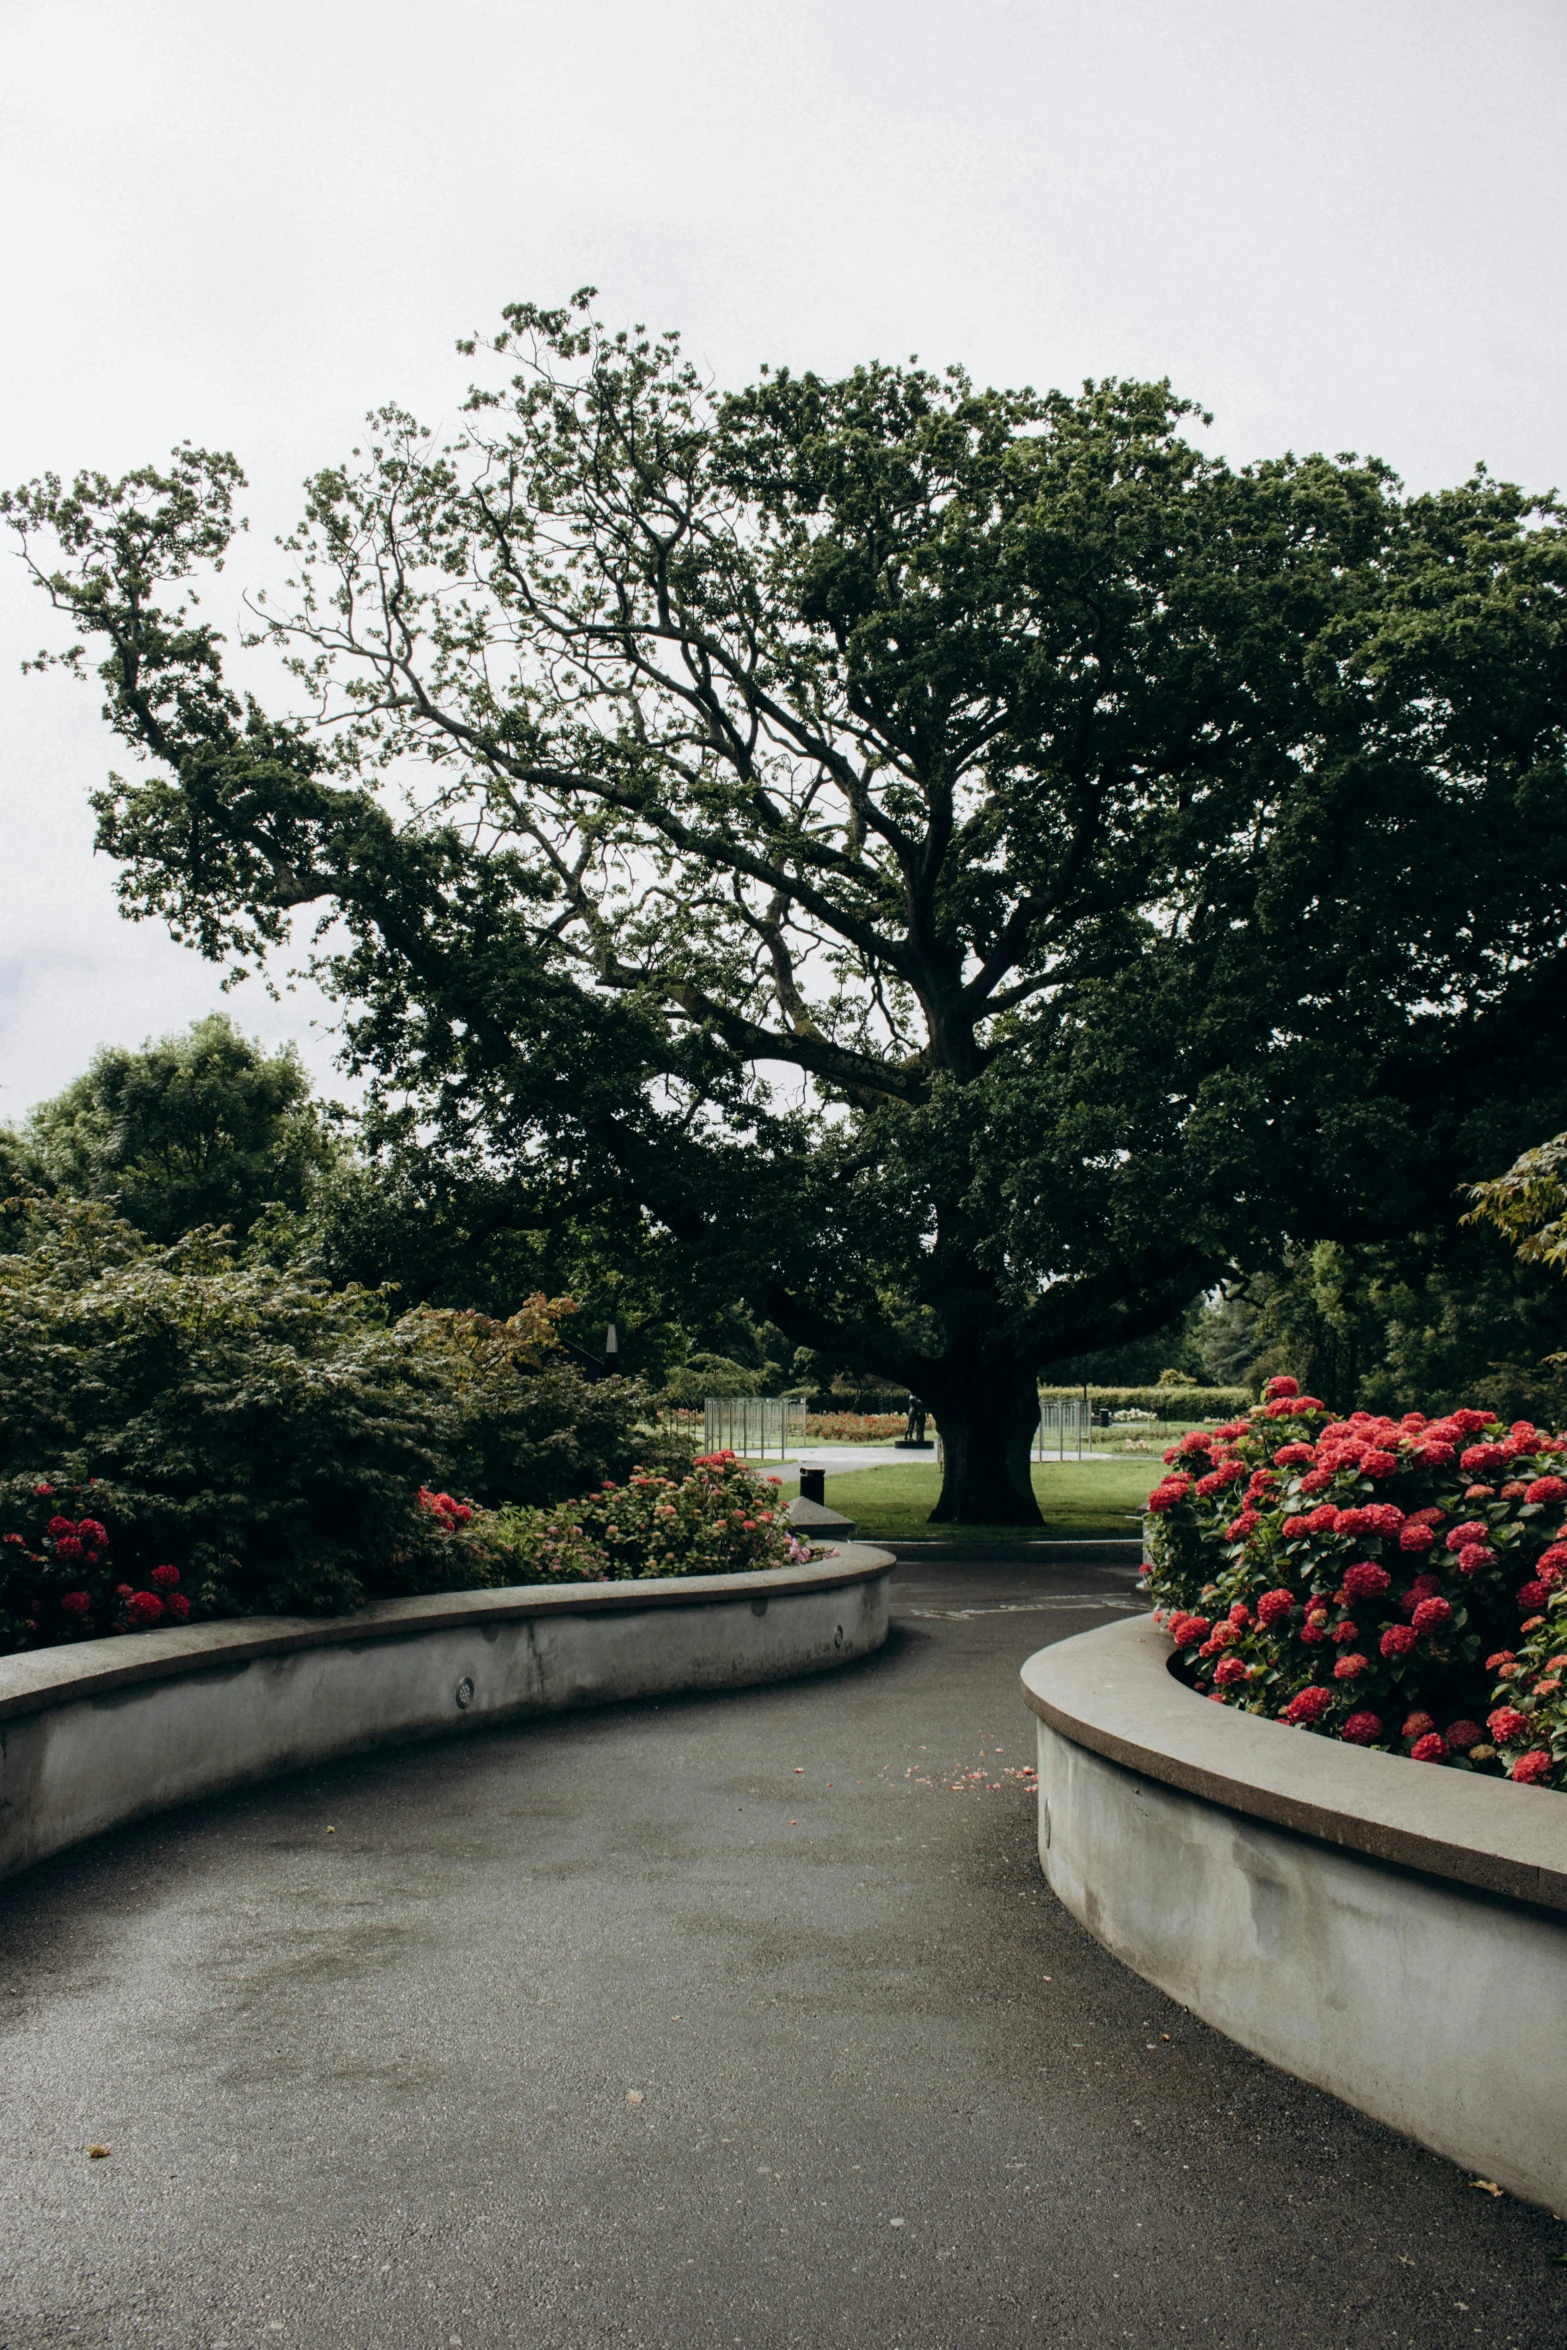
(111,1730)
(1395,1933)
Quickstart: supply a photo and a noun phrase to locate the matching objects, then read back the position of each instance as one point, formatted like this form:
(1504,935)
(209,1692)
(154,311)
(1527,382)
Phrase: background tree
(203,1128)
(971,868)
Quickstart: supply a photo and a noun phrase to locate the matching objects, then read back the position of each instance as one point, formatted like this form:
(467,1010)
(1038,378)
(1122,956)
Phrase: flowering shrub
(58,1579)
(1397,1584)
(719,1518)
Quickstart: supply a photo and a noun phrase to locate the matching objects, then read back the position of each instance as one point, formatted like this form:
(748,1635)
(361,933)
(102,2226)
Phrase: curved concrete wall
(111,1730)
(1394,1933)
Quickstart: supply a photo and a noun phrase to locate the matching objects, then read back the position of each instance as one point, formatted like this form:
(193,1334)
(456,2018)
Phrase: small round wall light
(465,1691)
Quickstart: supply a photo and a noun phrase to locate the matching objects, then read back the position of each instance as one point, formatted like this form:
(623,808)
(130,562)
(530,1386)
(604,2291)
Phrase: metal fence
(761,1427)
(1065,1430)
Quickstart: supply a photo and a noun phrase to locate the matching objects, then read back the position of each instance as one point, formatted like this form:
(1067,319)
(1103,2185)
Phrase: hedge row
(1166,1403)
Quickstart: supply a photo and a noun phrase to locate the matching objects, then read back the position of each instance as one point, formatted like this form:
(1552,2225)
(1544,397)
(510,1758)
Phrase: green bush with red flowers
(1400,1585)
(718,1518)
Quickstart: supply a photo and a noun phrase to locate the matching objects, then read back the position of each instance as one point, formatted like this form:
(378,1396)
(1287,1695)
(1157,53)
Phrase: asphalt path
(743,2022)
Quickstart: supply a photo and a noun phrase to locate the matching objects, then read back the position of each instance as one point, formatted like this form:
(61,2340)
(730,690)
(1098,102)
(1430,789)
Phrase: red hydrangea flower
(1229,1670)
(58,1526)
(1316,1481)
(1435,1456)
(1417,1726)
(1165,1495)
(1293,1455)
(1186,1631)
(178,1605)
(1462,1735)
(1531,1768)
(1379,1463)
(164,1578)
(144,1608)
(1432,1615)
(1309,1706)
(93,1531)
(1282,1385)
(1362,1729)
(67,1547)
(1239,1528)
(1555,1556)
(1366,1580)
(1384,1517)
(1507,1725)
(1273,1606)
(1546,1489)
(75,1603)
(42,1492)
(1480,1457)
(1533,1596)
(1398,1640)
(1431,1748)
(1471,1530)
(1199,1441)
(1416,1538)
(1503,1656)
(1350,1668)
(1295,1527)
(1474,1556)
(1468,1421)
(1324,1520)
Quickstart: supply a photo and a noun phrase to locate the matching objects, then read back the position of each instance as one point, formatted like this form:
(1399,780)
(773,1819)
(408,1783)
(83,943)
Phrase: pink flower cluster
(1352,1590)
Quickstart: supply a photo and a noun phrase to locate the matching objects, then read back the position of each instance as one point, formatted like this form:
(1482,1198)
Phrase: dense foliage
(203,1128)
(1091,825)
(1400,1585)
(718,1518)
(259,1432)
(1167,1399)
(1432,1321)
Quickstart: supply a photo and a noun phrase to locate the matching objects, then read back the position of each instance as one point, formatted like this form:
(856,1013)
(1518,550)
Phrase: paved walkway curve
(742,2022)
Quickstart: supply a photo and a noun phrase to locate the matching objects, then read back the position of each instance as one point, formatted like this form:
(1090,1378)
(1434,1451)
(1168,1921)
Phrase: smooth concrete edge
(1430,2006)
(1109,1690)
(41,1678)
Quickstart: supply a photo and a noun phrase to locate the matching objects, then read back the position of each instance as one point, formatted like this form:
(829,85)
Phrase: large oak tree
(967,866)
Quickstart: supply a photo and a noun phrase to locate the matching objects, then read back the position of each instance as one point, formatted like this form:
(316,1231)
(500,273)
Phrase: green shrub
(719,1518)
(262,1433)
(525,1426)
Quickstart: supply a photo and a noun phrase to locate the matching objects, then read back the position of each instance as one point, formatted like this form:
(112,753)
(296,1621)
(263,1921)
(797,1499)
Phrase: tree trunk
(987,1416)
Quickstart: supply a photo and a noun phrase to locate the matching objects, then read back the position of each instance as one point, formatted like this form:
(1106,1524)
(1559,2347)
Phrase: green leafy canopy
(970,865)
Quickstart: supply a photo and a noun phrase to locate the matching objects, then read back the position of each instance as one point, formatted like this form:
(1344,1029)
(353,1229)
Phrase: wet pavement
(744,2022)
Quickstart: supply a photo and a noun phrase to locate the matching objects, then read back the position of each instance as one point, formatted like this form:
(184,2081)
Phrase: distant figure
(914,1431)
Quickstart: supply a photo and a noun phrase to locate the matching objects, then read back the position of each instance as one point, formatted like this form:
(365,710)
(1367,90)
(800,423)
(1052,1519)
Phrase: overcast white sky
(1338,224)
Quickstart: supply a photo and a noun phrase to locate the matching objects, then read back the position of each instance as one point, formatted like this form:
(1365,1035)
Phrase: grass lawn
(895,1504)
